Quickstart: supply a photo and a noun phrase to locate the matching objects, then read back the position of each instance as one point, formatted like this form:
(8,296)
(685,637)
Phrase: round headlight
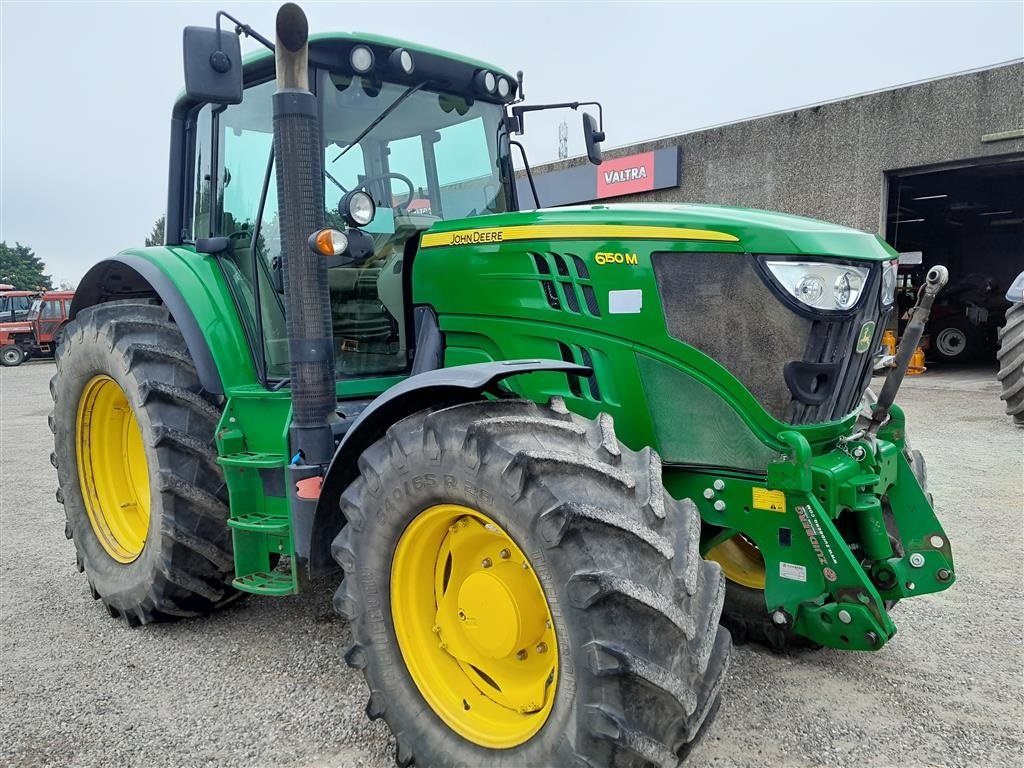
(847,289)
(401,61)
(361,59)
(504,87)
(485,81)
(358,208)
(810,289)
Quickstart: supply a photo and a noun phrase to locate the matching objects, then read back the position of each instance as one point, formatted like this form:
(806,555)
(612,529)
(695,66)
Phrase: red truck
(35,332)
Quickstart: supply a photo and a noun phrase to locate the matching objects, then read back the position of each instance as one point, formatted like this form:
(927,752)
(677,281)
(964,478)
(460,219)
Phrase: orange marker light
(328,242)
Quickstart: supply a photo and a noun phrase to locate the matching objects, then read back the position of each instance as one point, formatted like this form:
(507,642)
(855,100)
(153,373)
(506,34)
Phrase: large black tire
(11,355)
(186,564)
(641,654)
(955,339)
(1011,363)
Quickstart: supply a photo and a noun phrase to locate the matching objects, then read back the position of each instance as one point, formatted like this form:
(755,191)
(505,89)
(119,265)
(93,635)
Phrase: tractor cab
(422,133)
(15,305)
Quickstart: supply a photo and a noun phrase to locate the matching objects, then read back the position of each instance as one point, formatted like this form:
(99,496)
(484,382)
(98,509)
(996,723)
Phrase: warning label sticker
(792,572)
(773,501)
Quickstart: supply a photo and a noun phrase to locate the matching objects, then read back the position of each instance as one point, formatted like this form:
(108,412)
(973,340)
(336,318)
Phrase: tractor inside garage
(971,219)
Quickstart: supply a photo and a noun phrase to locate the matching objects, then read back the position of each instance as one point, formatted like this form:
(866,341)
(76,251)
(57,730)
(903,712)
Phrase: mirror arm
(529,173)
(518,111)
(243,29)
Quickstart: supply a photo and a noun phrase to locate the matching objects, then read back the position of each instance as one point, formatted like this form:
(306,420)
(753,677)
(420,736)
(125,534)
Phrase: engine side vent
(554,268)
(547,285)
(573,353)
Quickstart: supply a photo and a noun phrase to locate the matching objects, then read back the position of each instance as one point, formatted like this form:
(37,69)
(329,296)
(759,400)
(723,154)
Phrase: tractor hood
(736,229)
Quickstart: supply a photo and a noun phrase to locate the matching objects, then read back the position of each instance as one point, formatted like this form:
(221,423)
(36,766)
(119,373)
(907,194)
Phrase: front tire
(635,655)
(143,495)
(12,355)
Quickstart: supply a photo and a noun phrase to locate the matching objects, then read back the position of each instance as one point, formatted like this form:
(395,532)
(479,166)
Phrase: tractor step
(253,460)
(260,540)
(260,522)
(263,583)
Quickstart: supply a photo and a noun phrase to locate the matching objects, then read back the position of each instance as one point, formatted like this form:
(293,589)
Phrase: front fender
(436,389)
(194,290)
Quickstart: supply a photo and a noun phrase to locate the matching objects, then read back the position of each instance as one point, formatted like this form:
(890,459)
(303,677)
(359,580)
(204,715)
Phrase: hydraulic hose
(934,281)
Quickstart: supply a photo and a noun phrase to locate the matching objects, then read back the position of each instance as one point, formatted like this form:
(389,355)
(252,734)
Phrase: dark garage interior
(971,219)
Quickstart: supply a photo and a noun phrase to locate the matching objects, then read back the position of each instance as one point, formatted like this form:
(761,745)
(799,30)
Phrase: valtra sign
(626,175)
(615,177)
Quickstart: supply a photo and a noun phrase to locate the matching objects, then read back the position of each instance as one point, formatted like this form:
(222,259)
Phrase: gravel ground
(263,683)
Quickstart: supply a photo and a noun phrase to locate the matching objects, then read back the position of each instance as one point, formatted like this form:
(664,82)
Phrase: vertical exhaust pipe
(298,157)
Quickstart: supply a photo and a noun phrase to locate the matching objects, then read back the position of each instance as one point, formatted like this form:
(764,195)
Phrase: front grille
(720,304)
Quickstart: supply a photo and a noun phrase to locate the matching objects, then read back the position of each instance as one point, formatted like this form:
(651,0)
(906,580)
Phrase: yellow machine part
(741,561)
(112,469)
(474,626)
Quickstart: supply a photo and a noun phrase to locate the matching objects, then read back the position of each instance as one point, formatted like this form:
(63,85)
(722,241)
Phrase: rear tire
(634,607)
(12,355)
(1011,363)
(185,564)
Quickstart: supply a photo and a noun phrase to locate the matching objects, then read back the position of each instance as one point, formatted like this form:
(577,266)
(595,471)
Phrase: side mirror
(213,65)
(593,138)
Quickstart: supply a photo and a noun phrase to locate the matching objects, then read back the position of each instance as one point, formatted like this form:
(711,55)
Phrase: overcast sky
(87,87)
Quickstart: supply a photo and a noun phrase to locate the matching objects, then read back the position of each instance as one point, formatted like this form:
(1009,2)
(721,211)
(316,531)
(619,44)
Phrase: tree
(20,267)
(156,237)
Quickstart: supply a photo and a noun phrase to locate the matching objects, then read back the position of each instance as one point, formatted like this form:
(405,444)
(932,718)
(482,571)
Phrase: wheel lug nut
(521,655)
(487,562)
(504,554)
(542,648)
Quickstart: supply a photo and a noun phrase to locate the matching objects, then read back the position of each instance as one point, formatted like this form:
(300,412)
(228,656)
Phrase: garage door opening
(971,219)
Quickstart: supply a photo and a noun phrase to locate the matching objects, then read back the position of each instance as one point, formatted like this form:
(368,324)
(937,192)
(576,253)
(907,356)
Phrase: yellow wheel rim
(741,561)
(474,626)
(112,469)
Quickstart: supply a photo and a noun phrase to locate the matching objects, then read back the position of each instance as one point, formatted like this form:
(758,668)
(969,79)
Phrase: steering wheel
(404,206)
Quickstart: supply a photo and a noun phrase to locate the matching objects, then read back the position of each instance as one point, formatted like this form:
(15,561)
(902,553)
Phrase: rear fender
(194,290)
(434,389)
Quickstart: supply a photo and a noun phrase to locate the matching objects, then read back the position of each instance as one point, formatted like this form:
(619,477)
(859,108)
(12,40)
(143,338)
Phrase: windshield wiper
(380,118)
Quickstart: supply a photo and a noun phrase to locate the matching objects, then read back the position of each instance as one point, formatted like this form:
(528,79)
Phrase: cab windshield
(416,151)
(421,154)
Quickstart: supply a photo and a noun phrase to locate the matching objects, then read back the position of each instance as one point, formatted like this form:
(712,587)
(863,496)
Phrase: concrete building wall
(830,161)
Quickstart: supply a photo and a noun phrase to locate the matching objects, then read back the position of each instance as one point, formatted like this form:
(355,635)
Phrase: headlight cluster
(819,285)
(490,84)
(362,60)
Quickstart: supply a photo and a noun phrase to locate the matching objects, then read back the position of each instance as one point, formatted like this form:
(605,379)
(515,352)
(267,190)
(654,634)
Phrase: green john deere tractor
(544,446)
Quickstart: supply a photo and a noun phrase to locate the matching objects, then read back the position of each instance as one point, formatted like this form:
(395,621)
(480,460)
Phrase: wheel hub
(951,341)
(112,469)
(475,629)
(490,610)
